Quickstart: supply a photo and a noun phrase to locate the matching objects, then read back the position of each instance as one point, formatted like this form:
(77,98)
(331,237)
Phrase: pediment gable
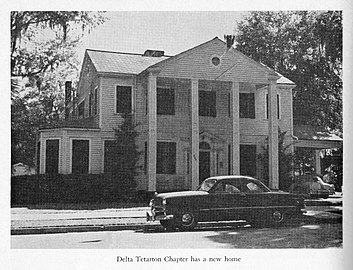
(197,63)
(209,138)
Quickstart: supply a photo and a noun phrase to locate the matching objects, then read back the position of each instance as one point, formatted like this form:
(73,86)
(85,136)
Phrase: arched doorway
(204,161)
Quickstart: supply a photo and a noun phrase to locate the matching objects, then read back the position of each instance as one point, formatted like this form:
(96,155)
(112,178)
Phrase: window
(248,160)
(278,107)
(80,156)
(215,61)
(165,101)
(247,105)
(223,187)
(52,156)
(81,109)
(207,103)
(123,99)
(254,188)
(166,157)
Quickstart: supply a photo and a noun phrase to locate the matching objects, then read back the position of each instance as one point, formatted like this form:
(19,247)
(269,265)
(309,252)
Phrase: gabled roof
(123,63)
(282,79)
(134,64)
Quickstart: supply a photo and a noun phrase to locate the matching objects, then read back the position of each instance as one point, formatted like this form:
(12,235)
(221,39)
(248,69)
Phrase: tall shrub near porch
(126,156)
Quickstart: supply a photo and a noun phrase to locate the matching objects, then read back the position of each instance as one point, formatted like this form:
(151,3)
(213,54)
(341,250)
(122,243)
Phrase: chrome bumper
(155,216)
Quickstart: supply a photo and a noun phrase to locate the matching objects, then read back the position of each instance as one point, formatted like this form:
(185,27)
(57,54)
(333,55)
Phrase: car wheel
(169,225)
(187,221)
(277,217)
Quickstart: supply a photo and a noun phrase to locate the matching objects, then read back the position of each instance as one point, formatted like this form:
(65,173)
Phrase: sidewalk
(34,221)
(31,221)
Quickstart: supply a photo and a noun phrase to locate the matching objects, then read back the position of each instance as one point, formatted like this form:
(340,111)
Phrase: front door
(204,165)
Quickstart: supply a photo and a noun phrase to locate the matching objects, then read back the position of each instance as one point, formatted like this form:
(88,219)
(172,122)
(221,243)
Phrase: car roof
(231,177)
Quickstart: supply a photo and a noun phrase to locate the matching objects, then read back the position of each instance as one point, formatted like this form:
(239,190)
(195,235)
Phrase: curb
(77,229)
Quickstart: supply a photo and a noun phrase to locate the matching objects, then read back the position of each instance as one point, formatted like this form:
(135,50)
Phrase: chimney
(153,53)
(68,94)
(229,40)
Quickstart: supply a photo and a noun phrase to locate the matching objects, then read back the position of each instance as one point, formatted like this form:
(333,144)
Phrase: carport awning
(309,138)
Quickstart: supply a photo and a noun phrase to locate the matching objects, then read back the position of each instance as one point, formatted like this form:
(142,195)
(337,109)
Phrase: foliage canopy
(42,58)
(306,47)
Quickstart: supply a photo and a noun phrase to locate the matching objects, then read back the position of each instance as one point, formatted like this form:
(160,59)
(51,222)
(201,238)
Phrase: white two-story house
(207,111)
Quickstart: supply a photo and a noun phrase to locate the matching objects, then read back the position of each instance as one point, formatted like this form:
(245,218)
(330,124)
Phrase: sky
(170,31)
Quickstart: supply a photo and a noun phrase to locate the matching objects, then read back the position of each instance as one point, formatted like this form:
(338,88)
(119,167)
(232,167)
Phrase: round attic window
(215,61)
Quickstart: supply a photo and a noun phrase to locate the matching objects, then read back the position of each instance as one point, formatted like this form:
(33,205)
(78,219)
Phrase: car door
(258,200)
(227,201)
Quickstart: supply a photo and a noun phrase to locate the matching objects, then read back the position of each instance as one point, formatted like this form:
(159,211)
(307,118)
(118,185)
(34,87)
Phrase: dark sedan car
(224,198)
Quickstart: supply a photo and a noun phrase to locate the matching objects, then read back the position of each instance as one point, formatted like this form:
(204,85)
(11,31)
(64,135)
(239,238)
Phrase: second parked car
(312,186)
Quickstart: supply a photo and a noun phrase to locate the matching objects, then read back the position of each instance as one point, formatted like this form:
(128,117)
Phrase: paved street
(32,228)
(308,234)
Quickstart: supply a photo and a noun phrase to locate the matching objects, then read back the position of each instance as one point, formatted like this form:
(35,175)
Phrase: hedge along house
(207,111)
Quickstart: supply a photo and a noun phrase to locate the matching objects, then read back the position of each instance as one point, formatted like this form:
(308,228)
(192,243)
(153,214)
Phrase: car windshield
(207,184)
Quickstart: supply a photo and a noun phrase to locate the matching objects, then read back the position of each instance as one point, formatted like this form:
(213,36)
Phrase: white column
(273,133)
(317,162)
(194,134)
(235,129)
(152,130)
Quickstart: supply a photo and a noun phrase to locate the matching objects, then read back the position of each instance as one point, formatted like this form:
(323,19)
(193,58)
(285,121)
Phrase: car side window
(219,188)
(226,188)
(231,189)
(253,188)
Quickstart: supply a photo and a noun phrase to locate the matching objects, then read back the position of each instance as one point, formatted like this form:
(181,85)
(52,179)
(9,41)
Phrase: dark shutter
(52,156)
(90,105)
(38,157)
(278,107)
(95,108)
(80,156)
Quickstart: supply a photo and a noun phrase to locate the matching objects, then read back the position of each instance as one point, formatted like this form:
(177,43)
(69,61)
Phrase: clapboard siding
(89,81)
(111,119)
(197,64)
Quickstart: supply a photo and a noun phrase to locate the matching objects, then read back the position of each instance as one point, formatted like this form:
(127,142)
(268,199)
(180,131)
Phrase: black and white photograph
(160,137)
